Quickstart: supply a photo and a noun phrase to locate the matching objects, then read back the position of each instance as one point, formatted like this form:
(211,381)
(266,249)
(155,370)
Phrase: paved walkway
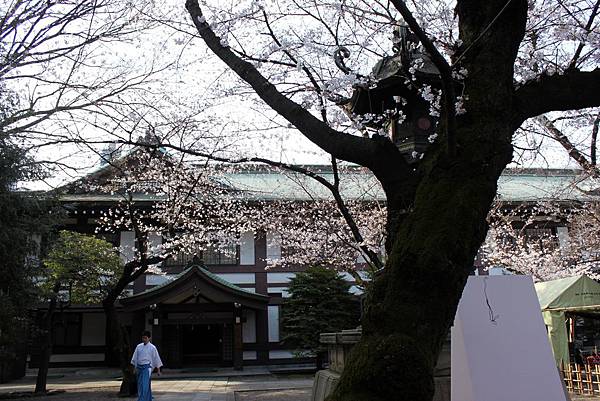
(254,384)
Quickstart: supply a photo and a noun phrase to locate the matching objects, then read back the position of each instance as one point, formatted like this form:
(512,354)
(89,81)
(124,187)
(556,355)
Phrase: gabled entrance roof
(195,285)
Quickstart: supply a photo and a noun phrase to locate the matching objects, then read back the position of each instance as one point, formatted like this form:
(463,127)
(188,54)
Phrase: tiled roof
(264,183)
(205,272)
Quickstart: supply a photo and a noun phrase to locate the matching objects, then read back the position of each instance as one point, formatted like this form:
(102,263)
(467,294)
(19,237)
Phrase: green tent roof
(578,293)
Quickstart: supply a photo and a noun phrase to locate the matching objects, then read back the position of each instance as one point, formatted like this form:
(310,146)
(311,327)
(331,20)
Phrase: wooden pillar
(238,353)
(157,320)
(262,336)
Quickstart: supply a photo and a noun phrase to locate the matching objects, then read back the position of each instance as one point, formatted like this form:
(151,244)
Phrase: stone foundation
(338,349)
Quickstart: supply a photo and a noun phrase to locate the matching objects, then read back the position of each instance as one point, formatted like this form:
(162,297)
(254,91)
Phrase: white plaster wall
(249,327)
(249,356)
(348,277)
(498,271)
(273,245)
(238,278)
(247,248)
(155,245)
(280,354)
(563,236)
(93,329)
(127,246)
(273,318)
(355,290)
(158,279)
(282,290)
(280,277)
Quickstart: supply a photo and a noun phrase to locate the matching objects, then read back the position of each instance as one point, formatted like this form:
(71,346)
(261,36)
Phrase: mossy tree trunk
(433,247)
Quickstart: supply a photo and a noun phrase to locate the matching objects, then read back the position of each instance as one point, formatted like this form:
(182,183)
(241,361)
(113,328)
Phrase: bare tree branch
(593,145)
(588,28)
(355,149)
(574,153)
(572,90)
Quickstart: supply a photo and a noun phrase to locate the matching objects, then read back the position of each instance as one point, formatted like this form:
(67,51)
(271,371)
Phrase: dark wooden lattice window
(67,329)
(227,255)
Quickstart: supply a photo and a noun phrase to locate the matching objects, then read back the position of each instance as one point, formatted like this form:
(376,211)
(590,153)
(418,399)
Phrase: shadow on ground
(92,394)
(274,395)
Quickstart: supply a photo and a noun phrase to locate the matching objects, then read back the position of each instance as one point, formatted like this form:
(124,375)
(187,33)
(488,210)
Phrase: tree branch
(335,190)
(588,28)
(595,127)
(574,153)
(572,90)
(445,74)
(355,149)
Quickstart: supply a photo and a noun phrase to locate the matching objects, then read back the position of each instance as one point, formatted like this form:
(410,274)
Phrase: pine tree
(319,302)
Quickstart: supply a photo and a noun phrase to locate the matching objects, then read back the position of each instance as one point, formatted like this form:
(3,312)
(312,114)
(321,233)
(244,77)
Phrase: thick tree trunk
(46,346)
(118,347)
(412,304)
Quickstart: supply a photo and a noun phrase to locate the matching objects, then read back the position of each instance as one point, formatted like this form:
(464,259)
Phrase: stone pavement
(251,384)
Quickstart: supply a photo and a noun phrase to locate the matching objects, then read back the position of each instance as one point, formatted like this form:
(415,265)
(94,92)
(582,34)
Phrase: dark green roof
(263,183)
(187,274)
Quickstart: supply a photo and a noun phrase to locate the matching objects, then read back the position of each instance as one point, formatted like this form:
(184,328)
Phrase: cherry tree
(498,64)
(195,206)
(192,206)
(158,196)
(522,240)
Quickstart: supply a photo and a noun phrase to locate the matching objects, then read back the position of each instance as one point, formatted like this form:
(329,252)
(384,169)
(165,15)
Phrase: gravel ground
(273,395)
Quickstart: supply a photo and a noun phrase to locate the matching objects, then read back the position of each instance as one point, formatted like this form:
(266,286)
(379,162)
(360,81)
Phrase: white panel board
(155,241)
(280,277)
(348,277)
(273,317)
(238,278)
(127,246)
(273,245)
(158,279)
(249,327)
(563,236)
(249,356)
(280,354)
(355,290)
(247,248)
(500,350)
(282,290)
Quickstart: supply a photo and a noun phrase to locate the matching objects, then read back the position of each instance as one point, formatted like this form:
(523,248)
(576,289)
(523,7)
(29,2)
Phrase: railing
(582,379)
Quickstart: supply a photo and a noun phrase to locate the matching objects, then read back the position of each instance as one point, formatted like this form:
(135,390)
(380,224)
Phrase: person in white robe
(145,358)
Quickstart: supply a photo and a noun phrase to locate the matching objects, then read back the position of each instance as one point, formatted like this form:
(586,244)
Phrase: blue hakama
(143,382)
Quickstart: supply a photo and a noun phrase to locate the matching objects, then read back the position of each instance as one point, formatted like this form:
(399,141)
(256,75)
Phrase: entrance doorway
(201,344)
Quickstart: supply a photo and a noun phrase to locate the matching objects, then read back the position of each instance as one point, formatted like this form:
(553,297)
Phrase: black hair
(146,333)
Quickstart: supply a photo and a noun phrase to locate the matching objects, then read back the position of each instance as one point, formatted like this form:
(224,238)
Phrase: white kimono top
(146,354)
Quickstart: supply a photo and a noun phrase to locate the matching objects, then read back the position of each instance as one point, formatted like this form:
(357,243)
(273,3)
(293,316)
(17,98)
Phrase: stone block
(325,382)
